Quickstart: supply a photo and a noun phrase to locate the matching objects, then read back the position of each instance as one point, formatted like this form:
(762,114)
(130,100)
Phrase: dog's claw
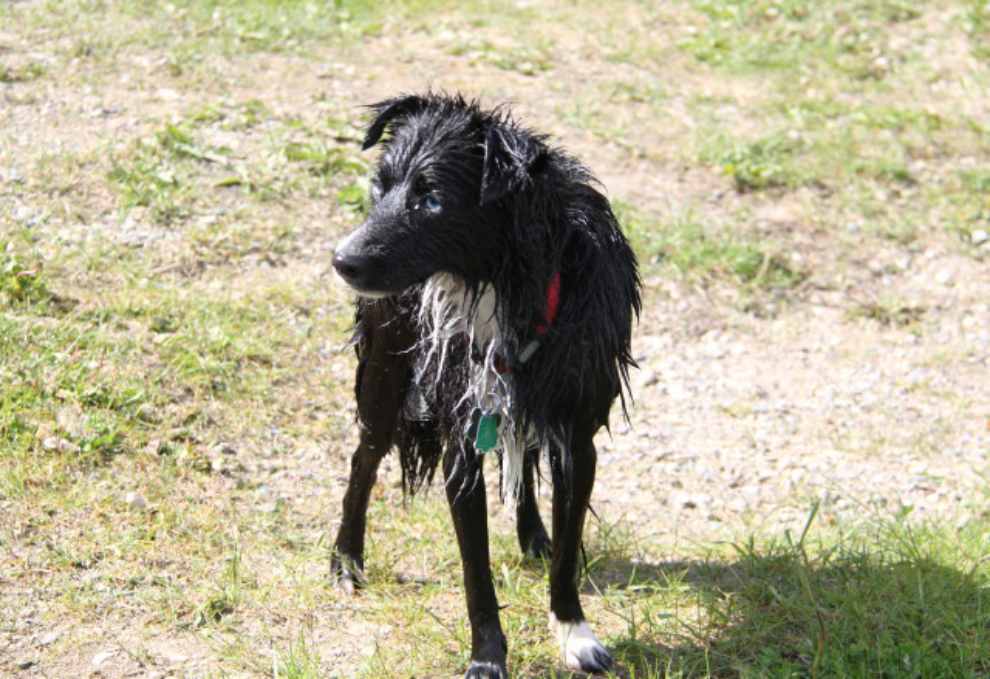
(539,547)
(486,670)
(595,661)
(582,650)
(347,585)
(346,574)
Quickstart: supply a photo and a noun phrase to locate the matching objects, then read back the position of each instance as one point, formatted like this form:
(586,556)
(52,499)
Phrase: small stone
(980,236)
(173,656)
(26,663)
(49,638)
(944,277)
(647,378)
(135,501)
(102,657)
(154,448)
(59,444)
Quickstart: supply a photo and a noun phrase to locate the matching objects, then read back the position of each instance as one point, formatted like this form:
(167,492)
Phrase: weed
(21,281)
(976,21)
(20,74)
(889,313)
(224,600)
(759,164)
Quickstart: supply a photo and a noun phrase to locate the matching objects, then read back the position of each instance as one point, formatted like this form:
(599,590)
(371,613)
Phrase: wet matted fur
(493,280)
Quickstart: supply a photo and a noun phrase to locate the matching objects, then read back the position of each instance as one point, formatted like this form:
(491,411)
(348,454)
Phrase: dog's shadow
(779,611)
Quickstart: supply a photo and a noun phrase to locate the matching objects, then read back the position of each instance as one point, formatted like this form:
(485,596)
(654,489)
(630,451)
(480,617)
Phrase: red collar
(501,365)
(553,301)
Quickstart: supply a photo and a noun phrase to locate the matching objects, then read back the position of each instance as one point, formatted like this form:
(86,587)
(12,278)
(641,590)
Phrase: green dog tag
(487,436)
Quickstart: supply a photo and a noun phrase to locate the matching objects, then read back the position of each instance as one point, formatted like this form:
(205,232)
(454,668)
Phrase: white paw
(582,650)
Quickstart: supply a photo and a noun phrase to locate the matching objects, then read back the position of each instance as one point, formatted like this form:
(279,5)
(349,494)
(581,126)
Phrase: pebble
(102,657)
(174,656)
(647,378)
(49,638)
(59,444)
(980,236)
(135,501)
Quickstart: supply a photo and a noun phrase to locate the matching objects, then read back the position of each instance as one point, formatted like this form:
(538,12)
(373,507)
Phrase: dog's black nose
(350,267)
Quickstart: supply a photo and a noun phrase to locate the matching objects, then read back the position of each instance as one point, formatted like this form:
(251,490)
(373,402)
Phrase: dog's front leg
(465,486)
(580,647)
(382,379)
(347,562)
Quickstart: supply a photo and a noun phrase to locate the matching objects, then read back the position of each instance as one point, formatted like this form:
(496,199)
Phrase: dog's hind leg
(465,486)
(533,538)
(581,649)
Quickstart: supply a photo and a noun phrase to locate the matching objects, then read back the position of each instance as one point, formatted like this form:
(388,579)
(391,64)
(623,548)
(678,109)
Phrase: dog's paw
(346,574)
(538,546)
(582,650)
(486,670)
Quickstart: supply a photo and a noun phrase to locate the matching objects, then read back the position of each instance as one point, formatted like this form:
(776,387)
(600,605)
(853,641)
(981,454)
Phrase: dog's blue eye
(431,204)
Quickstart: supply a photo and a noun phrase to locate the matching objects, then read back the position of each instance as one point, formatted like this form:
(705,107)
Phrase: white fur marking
(449,310)
(577,643)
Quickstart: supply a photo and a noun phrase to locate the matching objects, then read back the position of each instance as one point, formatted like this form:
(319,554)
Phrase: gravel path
(741,422)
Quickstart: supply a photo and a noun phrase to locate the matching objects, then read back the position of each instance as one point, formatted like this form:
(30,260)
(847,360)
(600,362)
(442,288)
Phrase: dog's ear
(387,113)
(511,158)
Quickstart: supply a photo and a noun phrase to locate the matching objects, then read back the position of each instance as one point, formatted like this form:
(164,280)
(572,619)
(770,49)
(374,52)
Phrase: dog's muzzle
(352,268)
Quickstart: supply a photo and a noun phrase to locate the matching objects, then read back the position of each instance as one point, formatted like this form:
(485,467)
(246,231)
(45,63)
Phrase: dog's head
(438,193)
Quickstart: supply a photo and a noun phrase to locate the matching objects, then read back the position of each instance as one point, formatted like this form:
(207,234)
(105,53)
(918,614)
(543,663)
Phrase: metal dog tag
(487,437)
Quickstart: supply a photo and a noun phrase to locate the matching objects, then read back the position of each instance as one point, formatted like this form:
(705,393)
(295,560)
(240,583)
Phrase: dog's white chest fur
(449,313)
(449,310)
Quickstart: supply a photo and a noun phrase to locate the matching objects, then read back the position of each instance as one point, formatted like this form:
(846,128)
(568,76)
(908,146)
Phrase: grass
(822,603)
(682,242)
(175,415)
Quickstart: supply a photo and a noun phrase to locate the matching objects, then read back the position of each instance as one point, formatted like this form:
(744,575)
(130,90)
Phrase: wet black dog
(497,296)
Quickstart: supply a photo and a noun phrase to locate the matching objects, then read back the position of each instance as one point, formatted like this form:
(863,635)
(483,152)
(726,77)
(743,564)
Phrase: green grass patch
(531,58)
(886,597)
(849,37)
(21,74)
(177,172)
(708,253)
(759,164)
(976,21)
